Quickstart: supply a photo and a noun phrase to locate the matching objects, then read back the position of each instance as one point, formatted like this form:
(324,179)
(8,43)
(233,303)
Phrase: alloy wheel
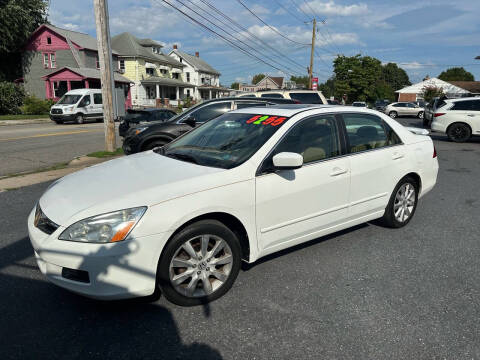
(404,202)
(200,266)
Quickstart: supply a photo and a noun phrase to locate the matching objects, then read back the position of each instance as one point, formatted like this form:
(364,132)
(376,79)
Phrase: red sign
(315,79)
(314,86)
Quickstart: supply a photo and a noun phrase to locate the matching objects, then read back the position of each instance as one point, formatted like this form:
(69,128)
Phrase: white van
(78,105)
(302,96)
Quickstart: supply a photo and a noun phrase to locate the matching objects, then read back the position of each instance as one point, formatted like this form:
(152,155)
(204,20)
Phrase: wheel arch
(417,179)
(155,138)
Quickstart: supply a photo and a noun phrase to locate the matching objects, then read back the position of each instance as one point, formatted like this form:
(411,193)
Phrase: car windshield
(69,99)
(226,141)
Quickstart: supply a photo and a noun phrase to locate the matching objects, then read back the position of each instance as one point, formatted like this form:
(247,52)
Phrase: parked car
(143,116)
(244,185)
(403,109)
(147,137)
(380,105)
(430,109)
(78,105)
(359,104)
(300,96)
(333,102)
(458,118)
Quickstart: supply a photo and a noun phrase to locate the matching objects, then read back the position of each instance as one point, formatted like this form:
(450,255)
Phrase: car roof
(463,99)
(82,91)
(290,110)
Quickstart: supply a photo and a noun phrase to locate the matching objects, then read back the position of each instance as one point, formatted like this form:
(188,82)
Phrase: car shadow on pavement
(39,320)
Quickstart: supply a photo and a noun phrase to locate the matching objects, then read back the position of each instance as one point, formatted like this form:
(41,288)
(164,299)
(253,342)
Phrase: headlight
(68,109)
(139,129)
(105,228)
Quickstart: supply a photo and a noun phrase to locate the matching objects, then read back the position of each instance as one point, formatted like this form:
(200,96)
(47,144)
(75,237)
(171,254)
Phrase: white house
(414,92)
(204,78)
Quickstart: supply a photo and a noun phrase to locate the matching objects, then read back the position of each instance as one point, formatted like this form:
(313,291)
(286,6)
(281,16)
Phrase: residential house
(57,60)
(204,80)
(473,87)
(157,77)
(266,83)
(415,92)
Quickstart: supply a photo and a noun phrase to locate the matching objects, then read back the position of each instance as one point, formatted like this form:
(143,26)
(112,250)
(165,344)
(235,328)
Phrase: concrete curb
(18,181)
(24,122)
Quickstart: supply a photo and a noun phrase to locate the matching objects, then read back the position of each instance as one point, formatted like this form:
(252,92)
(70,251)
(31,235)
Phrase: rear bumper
(437,126)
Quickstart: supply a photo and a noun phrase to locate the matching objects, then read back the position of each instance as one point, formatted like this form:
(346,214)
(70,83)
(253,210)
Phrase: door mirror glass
(287,161)
(190,121)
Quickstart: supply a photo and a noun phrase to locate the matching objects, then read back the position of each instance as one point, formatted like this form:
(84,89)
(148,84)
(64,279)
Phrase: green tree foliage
(18,19)
(11,98)
(257,78)
(394,76)
(328,87)
(301,80)
(430,92)
(456,74)
(235,86)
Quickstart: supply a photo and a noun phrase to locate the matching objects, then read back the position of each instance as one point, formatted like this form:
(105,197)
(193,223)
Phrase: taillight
(434,152)
(296,102)
(438,114)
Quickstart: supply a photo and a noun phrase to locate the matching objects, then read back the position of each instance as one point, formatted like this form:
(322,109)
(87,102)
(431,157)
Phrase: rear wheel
(393,114)
(402,204)
(79,119)
(420,115)
(199,264)
(459,132)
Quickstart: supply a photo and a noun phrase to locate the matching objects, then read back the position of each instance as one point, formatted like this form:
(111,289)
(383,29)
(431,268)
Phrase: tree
(430,92)
(257,78)
(235,86)
(394,76)
(301,80)
(18,19)
(456,74)
(328,87)
(383,90)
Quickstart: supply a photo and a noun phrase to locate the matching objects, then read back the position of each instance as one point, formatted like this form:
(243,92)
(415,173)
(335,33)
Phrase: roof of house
(89,73)
(471,86)
(83,40)
(196,62)
(277,80)
(417,88)
(128,45)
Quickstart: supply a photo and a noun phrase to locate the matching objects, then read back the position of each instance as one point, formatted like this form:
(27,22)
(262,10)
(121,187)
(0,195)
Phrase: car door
(97,108)
(293,206)
(377,161)
(411,109)
(85,106)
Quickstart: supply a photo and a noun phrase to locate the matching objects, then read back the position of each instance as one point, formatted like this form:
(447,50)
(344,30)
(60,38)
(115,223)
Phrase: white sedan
(243,185)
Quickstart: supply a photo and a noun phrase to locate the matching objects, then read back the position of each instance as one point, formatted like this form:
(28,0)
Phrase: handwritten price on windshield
(266,120)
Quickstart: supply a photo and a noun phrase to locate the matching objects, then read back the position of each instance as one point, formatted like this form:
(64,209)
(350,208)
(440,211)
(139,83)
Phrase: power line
(270,27)
(300,8)
(291,13)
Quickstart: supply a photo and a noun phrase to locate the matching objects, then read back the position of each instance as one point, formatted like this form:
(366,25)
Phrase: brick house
(415,92)
(57,60)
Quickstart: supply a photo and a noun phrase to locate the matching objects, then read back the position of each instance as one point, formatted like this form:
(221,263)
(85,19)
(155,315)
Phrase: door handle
(471,115)
(397,156)
(338,171)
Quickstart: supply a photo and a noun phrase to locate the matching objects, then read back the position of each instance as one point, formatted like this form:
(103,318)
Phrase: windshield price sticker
(266,120)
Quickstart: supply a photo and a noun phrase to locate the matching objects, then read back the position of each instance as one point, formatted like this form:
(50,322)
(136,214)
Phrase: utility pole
(106,71)
(310,69)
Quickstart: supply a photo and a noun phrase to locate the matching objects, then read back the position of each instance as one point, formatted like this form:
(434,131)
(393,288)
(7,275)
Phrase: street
(31,147)
(365,293)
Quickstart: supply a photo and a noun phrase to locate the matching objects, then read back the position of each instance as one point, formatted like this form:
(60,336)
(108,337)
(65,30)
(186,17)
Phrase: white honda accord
(251,182)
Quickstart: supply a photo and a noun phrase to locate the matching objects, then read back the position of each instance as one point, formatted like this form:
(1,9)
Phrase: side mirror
(190,121)
(287,161)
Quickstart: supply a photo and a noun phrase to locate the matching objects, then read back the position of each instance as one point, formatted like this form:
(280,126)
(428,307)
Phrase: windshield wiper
(183,157)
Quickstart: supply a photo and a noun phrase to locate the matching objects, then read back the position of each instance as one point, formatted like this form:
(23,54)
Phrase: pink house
(57,60)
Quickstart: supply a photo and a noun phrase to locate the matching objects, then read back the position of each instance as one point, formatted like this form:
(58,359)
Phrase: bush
(11,98)
(430,92)
(35,106)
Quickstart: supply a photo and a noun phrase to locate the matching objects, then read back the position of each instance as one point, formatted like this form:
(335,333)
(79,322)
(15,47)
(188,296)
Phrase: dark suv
(149,136)
(142,116)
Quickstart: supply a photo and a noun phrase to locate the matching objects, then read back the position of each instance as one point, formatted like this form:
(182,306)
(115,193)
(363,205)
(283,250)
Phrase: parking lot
(365,293)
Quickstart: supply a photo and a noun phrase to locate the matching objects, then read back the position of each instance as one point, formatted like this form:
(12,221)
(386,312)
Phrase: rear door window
(97,98)
(466,105)
(273,95)
(306,98)
(245,104)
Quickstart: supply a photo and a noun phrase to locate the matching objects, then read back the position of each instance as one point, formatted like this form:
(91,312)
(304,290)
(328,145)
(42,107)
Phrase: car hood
(142,179)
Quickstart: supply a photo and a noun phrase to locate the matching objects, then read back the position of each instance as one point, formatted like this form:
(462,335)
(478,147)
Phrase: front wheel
(152,145)
(402,204)
(199,264)
(393,114)
(459,132)
(79,119)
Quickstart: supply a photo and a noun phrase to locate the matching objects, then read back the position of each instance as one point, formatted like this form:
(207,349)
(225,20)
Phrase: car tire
(420,115)
(153,144)
(402,204)
(393,114)
(459,132)
(79,119)
(198,246)
(59,122)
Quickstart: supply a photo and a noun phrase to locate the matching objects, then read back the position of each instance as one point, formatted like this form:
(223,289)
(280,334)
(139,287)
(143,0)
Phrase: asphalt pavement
(365,293)
(31,147)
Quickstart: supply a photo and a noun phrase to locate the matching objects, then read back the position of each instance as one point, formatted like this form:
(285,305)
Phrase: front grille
(57,111)
(43,223)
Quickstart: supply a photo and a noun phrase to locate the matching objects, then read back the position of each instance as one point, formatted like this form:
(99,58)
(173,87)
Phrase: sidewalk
(18,181)
(24,122)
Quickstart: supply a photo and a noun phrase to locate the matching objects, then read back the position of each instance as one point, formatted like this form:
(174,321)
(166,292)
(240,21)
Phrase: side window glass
(242,105)
(365,132)
(475,105)
(210,112)
(97,98)
(315,139)
(85,101)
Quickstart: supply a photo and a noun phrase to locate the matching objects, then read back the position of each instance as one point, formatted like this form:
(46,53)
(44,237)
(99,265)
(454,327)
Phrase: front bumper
(115,270)
(62,117)
(131,145)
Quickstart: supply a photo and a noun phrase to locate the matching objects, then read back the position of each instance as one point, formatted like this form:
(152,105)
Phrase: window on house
(49,40)
(53,61)
(45,61)
(97,63)
(163,71)
(175,75)
(188,92)
(188,76)
(150,71)
(121,65)
(203,80)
